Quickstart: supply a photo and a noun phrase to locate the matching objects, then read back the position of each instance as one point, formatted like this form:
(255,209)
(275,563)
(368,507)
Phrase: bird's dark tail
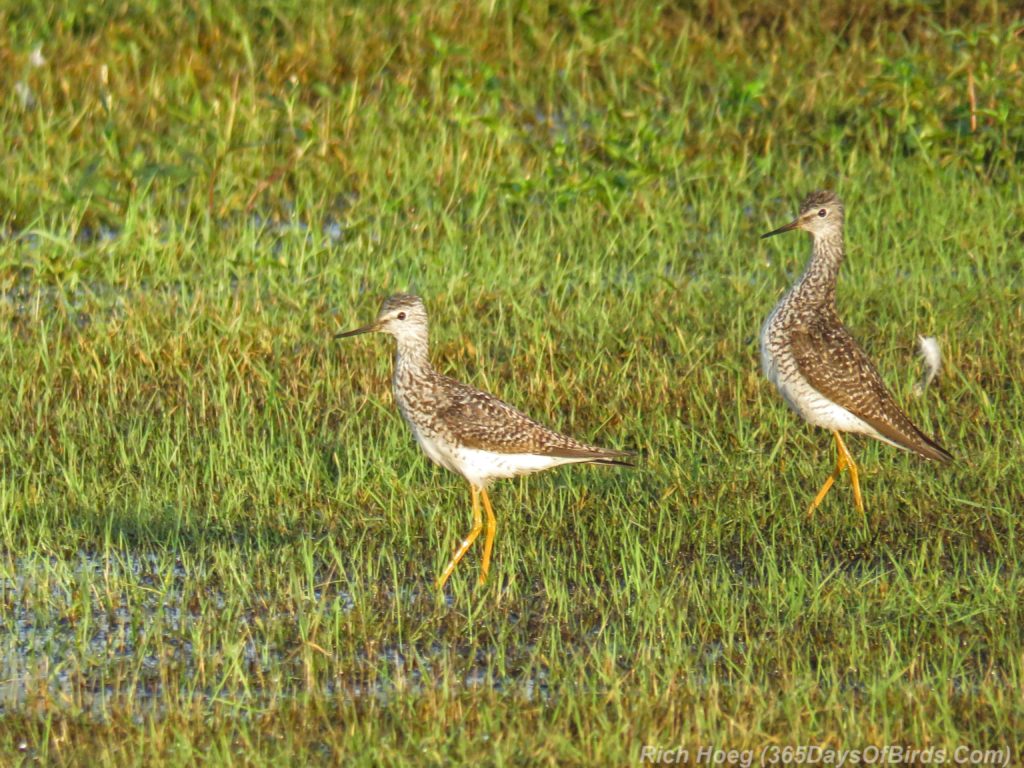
(613,462)
(594,455)
(930,449)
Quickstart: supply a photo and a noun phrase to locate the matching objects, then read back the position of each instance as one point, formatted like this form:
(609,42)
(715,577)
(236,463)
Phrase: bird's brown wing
(835,365)
(480,420)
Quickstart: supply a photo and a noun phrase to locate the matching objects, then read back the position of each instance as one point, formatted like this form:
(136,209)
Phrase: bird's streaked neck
(412,350)
(819,278)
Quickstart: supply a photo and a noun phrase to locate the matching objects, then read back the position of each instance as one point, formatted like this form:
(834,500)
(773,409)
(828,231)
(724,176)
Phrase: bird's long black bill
(780,230)
(357,331)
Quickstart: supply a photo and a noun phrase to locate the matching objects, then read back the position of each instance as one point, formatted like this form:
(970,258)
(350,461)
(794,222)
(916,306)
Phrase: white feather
(928,348)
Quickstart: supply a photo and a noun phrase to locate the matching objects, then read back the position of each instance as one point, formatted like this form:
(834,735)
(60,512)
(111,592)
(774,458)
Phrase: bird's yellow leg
(854,476)
(492,526)
(841,460)
(478,525)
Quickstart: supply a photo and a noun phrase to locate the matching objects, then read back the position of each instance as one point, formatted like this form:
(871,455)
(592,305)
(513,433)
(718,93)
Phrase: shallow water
(85,656)
(128,646)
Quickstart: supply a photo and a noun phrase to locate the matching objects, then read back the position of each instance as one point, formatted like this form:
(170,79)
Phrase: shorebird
(466,430)
(818,367)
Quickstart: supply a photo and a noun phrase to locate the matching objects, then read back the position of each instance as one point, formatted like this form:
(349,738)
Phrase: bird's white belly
(480,467)
(809,404)
(437,451)
(818,410)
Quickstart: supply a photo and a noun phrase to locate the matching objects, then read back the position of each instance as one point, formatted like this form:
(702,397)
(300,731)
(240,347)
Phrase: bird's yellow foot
(492,526)
(854,475)
(478,525)
(843,461)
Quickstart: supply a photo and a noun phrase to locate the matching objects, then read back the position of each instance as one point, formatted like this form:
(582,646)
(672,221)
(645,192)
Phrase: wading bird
(818,367)
(466,430)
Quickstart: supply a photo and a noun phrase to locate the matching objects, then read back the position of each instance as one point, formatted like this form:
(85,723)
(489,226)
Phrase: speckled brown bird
(818,367)
(466,430)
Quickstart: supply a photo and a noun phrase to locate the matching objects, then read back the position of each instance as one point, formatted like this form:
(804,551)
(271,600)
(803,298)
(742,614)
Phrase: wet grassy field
(218,540)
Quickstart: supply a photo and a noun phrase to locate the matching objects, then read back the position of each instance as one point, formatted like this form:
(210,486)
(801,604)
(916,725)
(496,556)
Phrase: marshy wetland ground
(218,540)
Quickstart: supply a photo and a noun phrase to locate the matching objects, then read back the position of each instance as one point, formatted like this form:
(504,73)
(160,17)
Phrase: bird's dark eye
(823,213)
(401,315)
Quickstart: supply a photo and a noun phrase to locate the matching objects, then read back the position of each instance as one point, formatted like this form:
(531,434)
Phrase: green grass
(218,540)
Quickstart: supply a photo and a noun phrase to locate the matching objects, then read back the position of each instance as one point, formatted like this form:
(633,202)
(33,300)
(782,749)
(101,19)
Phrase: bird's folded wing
(835,365)
(480,420)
